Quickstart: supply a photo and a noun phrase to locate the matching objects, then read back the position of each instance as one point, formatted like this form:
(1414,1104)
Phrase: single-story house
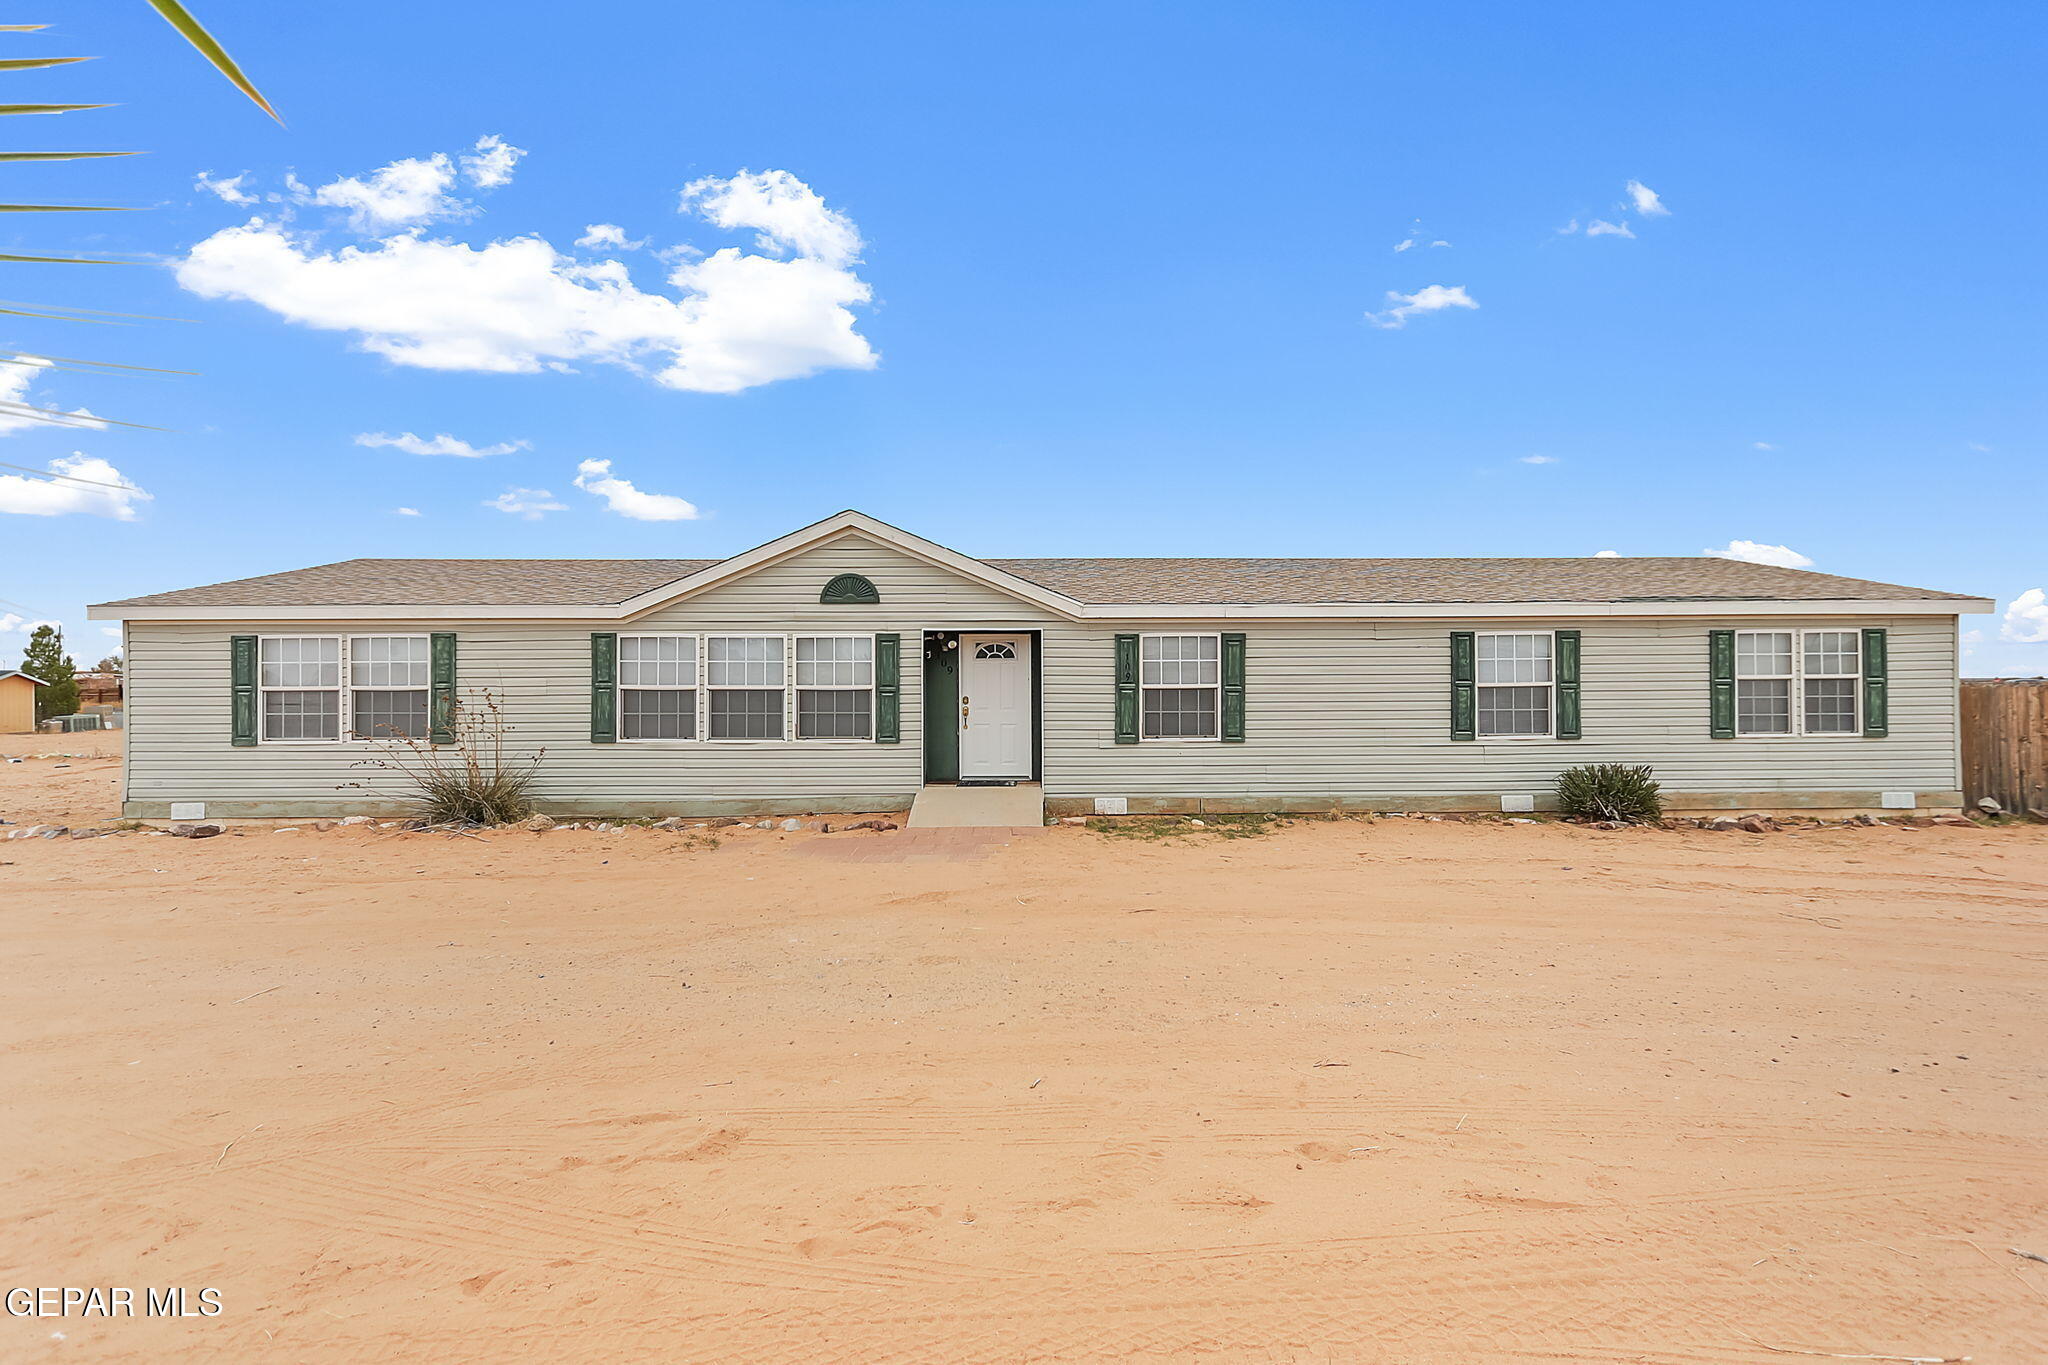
(18,702)
(849,664)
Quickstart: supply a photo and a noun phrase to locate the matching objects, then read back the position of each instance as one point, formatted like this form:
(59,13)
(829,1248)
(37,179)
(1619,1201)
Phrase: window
(1515,679)
(744,677)
(1181,683)
(388,678)
(312,686)
(300,678)
(657,687)
(835,686)
(1798,682)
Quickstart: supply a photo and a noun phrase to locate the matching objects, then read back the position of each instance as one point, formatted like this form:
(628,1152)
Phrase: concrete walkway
(943,806)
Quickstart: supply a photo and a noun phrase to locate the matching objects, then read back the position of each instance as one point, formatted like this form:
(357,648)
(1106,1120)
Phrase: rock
(879,825)
(724,822)
(825,828)
(1199,824)
(359,820)
(1610,824)
(322,826)
(1721,822)
(1989,805)
(1865,820)
(205,830)
(764,824)
(1955,821)
(1065,820)
(672,822)
(1756,824)
(1516,820)
(2037,815)
(792,825)
(88,833)
(539,824)
(288,829)
(55,831)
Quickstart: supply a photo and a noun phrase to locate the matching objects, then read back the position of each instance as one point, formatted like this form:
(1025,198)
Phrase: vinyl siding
(1350,709)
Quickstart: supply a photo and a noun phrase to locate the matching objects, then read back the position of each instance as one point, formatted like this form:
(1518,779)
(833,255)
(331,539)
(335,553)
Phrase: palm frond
(65,208)
(35,63)
(103,312)
(64,418)
(180,18)
(48,108)
(59,156)
(58,260)
(101,364)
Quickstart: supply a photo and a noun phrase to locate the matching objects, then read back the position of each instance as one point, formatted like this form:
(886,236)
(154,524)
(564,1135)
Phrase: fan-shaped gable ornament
(849,590)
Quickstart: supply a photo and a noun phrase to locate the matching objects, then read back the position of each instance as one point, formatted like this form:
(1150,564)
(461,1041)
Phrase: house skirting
(1819,802)
(1833,803)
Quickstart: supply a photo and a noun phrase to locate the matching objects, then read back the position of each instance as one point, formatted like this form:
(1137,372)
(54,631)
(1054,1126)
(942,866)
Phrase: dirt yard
(1397,1091)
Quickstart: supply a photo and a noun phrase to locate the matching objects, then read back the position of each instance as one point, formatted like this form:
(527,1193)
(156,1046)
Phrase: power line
(69,478)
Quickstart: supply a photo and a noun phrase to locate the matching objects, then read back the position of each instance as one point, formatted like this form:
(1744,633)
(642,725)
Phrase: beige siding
(1355,710)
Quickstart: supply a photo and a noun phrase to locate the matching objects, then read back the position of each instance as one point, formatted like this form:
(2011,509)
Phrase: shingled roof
(1305,582)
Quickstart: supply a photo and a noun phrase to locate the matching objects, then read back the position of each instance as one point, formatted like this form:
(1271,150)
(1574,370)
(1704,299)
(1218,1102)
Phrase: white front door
(995,706)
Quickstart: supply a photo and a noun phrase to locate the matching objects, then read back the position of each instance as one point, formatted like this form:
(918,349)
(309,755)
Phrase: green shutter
(1721,683)
(1127,689)
(242,696)
(1464,692)
(1876,698)
(441,716)
(1566,657)
(1233,689)
(604,689)
(888,689)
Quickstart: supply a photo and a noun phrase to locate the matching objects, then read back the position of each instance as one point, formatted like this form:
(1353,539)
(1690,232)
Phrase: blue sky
(1047,279)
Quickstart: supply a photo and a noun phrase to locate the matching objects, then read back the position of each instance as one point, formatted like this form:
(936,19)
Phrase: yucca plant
(470,780)
(1610,791)
(193,32)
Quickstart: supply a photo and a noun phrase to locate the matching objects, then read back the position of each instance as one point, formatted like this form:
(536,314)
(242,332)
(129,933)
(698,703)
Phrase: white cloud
(228,187)
(1753,552)
(1761,445)
(789,215)
(441,444)
(111,632)
(11,623)
(528,504)
(1539,459)
(1432,298)
(1645,200)
(608,237)
(736,319)
(1404,244)
(2026,619)
(1569,228)
(1600,227)
(88,485)
(1980,449)
(405,511)
(491,164)
(412,190)
(595,476)
(1607,554)
(18,375)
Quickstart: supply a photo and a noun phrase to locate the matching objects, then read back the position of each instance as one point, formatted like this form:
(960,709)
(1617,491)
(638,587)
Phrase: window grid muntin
(1514,684)
(307,685)
(1802,682)
(1180,687)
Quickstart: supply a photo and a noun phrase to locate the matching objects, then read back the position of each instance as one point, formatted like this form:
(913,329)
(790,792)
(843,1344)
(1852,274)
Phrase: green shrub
(1610,791)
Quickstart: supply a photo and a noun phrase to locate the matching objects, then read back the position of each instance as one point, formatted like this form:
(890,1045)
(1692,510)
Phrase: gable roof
(6,673)
(621,588)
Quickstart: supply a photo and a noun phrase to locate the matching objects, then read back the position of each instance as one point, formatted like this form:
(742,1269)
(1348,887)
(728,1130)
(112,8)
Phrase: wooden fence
(2005,742)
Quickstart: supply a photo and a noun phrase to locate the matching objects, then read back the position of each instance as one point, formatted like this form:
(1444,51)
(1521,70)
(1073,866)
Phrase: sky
(1048,279)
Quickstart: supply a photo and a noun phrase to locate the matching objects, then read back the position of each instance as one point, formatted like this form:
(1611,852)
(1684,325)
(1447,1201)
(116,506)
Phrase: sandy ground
(1391,1092)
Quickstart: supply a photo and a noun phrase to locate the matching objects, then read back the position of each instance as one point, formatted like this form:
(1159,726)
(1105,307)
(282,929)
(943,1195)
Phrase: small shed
(18,702)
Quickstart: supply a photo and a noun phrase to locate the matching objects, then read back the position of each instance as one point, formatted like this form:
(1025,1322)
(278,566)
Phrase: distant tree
(110,664)
(46,661)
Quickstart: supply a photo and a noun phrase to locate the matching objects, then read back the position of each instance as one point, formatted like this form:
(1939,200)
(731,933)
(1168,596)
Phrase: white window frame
(788,687)
(1216,687)
(1479,688)
(793,724)
(695,687)
(1797,680)
(344,690)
